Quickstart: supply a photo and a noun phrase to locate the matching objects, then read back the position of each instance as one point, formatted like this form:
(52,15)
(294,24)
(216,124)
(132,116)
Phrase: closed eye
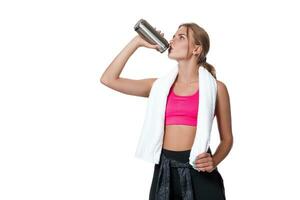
(179,36)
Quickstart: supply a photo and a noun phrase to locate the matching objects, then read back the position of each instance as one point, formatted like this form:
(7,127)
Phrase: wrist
(215,163)
(135,42)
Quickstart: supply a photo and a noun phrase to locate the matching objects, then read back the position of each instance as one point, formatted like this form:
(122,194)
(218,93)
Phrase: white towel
(151,139)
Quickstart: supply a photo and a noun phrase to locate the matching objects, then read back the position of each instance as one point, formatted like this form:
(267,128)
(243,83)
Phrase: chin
(171,57)
(174,57)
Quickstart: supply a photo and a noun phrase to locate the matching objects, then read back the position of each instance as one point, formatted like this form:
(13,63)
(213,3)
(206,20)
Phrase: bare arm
(111,76)
(223,115)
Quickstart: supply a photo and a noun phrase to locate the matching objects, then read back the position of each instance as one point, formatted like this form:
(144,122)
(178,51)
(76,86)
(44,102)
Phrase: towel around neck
(150,142)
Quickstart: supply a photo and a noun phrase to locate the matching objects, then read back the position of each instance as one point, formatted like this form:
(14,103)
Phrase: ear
(197,50)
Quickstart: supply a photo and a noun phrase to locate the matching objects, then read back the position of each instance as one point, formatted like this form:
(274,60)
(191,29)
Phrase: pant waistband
(180,156)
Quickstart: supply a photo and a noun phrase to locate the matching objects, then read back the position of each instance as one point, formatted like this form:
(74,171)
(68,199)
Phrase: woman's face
(179,45)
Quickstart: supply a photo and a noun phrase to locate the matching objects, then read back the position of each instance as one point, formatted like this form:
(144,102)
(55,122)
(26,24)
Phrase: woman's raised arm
(111,76)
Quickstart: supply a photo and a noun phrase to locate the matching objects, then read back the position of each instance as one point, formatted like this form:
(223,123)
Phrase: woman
(189,47)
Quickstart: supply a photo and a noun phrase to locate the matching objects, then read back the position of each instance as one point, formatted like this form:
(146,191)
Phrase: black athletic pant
(206,185)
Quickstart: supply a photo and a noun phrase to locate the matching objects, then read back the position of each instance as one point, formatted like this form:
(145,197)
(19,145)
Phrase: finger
(156,47)
(206,160)
(209,159)
(202,155)
(202,165)
(203,160)
(201,169)
(200,160)
(209,169)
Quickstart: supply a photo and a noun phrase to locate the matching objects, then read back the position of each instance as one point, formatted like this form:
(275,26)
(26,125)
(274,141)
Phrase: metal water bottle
(147,32)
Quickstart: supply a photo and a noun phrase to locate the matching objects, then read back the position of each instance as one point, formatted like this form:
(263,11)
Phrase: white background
(64,135)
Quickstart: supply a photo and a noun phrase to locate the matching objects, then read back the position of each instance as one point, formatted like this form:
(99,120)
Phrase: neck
(187,72)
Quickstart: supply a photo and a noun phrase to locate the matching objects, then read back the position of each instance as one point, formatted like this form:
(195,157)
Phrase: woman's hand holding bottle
(141,42)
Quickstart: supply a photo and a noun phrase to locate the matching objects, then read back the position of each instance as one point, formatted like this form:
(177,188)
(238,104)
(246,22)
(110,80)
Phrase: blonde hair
(200,37)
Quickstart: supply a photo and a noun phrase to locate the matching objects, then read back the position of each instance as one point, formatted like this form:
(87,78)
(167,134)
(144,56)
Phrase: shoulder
(222,90)
(221,85)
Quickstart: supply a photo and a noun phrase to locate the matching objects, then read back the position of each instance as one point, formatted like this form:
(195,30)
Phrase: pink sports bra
(182,109)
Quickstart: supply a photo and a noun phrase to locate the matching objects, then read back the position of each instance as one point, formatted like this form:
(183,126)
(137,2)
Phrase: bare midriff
(179,137)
